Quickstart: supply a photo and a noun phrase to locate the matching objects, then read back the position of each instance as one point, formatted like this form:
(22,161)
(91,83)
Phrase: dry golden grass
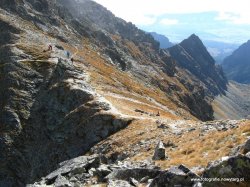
(196,150)
(191,149)
(107,78)
(34,50)
(134,50)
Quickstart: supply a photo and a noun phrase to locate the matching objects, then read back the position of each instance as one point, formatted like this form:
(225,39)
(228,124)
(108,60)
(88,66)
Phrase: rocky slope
(235,104)
(188,167)
(45,101)
(91,170)
(237,65)
(53,109)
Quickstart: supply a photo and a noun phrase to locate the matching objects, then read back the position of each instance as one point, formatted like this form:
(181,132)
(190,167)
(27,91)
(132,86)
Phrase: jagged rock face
(48,112)
(53,111)
(107,21)
(192,55)
(237,65)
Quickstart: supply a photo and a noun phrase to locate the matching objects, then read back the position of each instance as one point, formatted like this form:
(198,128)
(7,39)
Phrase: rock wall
(48,113)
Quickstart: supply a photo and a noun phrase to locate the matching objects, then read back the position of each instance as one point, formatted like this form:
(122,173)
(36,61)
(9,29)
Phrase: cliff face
(47,108)
(237,65)
(53,109)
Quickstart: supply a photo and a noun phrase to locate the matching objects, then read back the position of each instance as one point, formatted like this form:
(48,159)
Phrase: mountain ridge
(94,82)
(236,66)
(196,59)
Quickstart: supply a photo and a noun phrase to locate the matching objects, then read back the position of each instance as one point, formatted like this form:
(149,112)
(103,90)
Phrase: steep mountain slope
(48,101)
(53,109)
(177,83)
(163,40)
(237,65)
(235,104)
(192,55)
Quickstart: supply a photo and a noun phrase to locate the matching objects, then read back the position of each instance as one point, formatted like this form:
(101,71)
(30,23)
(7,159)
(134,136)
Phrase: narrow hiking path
(129,106)
(154,104)
(123,105)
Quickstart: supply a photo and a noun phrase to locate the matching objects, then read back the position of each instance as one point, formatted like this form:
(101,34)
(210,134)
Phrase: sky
(219,20)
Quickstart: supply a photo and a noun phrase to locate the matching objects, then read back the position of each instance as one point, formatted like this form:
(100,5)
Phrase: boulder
(248,154)
(62,182)
(159,153)
(116,183)
(175,176)
(135,173)
(102,171)
(71,172)
(235,167)
(133,182)
(246,146)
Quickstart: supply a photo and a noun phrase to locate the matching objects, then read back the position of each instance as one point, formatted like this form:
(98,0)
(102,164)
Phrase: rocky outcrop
(45,101)
(89,170)
(175,176)
(159,153)
(228,170)
(61,111)
(246,147)
(86,170)
(69,170)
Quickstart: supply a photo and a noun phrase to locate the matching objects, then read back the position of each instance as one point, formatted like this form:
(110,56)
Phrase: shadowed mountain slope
(237,65)
(102,75)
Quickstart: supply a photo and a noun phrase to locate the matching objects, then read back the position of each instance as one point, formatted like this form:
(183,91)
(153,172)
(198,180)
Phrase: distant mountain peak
(194,46)
(194,36)
(192,55)
(237,65)
(163,40)
(193,40)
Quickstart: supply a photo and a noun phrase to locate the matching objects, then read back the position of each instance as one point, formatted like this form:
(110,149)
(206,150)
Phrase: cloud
(141,19)
(137,11)
(167,21)
(235,18)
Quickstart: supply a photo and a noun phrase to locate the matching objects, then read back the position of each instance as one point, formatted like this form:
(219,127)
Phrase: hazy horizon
(221,21)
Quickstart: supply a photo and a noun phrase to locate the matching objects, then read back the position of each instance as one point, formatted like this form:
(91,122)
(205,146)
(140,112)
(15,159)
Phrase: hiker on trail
(50,48)
(67,54)
(72,60)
